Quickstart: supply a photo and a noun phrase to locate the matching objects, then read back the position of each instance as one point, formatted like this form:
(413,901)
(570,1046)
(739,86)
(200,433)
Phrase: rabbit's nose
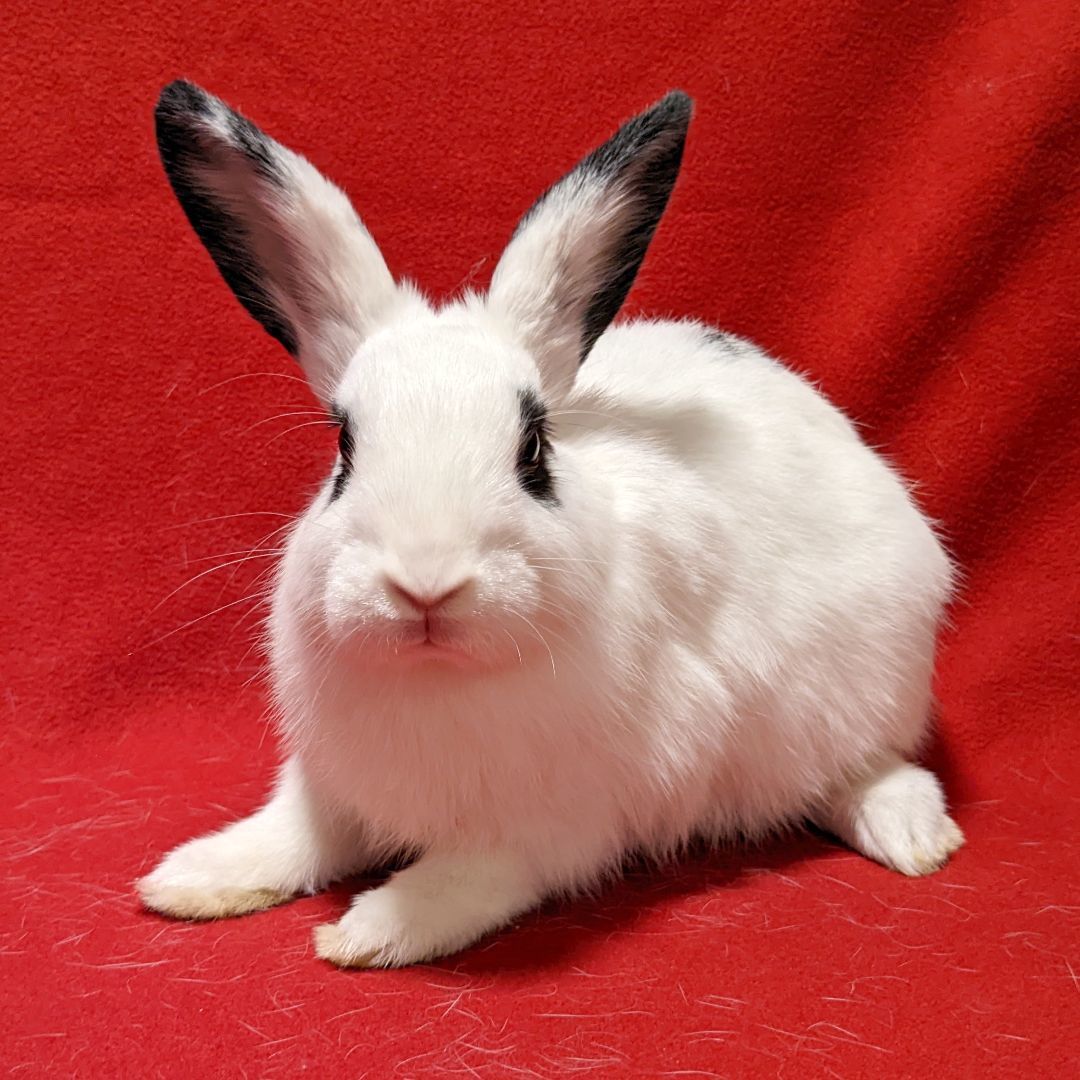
(423,601)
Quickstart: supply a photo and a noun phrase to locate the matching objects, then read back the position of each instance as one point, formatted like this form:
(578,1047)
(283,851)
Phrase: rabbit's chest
(436,776)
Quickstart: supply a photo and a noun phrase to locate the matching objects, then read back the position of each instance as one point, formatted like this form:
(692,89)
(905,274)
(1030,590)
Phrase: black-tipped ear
(286,240)
(202,142)
(575,254)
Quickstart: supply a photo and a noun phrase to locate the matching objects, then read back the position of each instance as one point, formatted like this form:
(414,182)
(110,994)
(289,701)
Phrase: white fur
(725,626)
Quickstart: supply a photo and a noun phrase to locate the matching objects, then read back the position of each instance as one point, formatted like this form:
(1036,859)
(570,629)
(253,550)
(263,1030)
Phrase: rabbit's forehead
(437,372)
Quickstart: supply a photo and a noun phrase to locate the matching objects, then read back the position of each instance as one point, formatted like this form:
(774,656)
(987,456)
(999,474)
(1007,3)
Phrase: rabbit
(573,591)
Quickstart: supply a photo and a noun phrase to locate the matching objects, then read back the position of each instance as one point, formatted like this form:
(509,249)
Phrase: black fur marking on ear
(534,449)
(645,155)
(346,447)
(256,146)
(655,139)
(187,150)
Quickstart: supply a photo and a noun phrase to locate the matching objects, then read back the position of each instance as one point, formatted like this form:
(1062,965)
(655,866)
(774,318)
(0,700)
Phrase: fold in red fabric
(884,196)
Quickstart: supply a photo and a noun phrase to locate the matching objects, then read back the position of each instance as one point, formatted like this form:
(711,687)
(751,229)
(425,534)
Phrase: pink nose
(423,602)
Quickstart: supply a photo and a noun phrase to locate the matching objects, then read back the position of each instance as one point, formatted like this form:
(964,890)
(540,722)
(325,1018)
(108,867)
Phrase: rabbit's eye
(346,446)
(532,455)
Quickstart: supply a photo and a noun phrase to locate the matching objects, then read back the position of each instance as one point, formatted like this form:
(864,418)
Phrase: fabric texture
(884,196)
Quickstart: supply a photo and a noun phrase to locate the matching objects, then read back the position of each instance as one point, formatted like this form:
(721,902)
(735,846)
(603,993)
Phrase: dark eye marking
(534,449)
(346,447)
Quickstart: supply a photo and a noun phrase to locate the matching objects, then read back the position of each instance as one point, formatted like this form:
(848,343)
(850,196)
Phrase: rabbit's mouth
(429,651)
(430,630)
(435,641)
(433,638)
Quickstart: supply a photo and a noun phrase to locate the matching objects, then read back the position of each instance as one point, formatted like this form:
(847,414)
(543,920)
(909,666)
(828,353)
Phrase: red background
(884,195)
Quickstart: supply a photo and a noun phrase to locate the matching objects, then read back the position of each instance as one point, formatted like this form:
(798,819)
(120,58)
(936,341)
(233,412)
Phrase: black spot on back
(721,339)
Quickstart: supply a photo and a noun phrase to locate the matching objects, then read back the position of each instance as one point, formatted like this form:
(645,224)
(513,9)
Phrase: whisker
(550,559)
(291,412)
(199,619)
(254,609)
(554,413)
(543,640)
(257,546)
(252,375)
(202,574)
(297,427)
(255,551)
(513,641)
(228,517)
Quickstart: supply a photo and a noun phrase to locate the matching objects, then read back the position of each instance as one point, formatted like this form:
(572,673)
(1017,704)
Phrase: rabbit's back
(795,491)
(800,585)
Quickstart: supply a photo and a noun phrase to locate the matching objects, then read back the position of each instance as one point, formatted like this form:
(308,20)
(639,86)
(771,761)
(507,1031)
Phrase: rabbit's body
(762,603)
(703,607)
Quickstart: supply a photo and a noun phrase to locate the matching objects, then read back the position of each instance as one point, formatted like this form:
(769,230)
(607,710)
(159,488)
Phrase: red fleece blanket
(884,195)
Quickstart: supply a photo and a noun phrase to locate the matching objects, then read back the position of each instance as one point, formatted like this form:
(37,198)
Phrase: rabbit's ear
(575,254)
(287,241)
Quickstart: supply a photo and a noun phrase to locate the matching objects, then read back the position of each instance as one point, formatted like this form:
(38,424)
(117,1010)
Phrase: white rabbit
(572,591)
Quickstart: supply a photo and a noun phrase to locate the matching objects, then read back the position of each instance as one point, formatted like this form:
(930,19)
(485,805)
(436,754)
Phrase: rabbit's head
(451,524)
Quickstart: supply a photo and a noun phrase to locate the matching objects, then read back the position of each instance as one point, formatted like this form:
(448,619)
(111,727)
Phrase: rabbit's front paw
(378,931)
(437,906)
(211,878)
